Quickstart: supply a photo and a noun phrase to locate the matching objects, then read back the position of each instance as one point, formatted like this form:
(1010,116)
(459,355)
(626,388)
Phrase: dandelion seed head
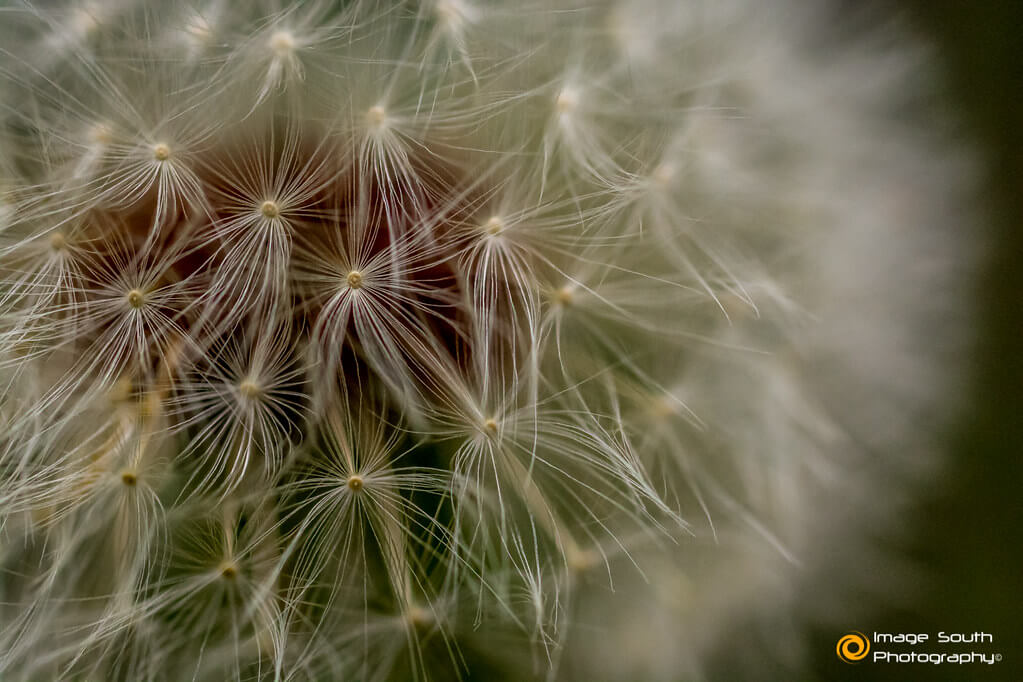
(602,296)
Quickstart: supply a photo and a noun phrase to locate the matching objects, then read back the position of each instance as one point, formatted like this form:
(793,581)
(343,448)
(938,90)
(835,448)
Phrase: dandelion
(442,339)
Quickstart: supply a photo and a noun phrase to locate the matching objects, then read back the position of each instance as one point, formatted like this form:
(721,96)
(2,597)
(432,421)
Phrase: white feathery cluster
(383,340)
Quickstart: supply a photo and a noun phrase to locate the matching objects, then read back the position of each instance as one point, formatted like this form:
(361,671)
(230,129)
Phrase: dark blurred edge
(970,539)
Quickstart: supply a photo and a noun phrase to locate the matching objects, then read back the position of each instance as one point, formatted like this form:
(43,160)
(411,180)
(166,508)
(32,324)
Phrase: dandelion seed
(101,134)
(376,117)
(449,12)
(84,19)
(663,407)
(58,242)
(228,570)
(581,560)
(198,28)
(161,151)
(564,296)
(567,101)
(136,299)
(250,389)
(418,617)
(282,43)
(270,209)
(494,226)
(664,174)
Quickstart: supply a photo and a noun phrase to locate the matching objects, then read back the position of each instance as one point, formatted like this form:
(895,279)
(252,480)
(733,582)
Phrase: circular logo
(853,647)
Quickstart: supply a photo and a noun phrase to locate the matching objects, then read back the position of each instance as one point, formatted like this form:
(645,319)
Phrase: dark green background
(969,536)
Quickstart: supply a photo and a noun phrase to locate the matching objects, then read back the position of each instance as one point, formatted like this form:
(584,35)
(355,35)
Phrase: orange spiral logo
(853,647)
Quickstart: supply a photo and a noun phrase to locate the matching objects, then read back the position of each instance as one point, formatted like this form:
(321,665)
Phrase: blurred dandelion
(438,339)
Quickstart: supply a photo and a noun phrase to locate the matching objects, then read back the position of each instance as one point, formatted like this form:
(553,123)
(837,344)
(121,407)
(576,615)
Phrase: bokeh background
(967,537)
(963,542)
